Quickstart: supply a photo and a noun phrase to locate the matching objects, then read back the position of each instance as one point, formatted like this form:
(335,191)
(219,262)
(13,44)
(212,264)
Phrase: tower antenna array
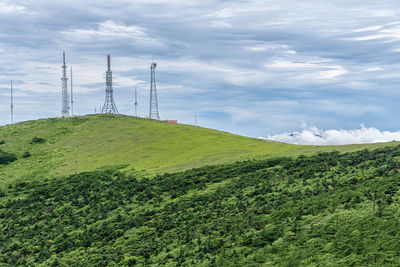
(12,103)
(72,97)
(153,111)
(109,104)
(64,79)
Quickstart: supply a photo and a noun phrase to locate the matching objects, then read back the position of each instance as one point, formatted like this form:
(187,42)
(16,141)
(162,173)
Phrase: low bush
(26,154)
(37,140)
(6,157)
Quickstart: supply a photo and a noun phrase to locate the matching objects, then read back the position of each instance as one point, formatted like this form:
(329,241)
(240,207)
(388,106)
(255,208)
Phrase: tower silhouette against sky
(65,100)
(109,104)
(153,111)
(72,96)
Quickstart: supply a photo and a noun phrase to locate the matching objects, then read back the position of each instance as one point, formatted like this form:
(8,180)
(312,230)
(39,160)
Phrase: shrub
(37,140)
(6,157)
(26,154)
(2,142)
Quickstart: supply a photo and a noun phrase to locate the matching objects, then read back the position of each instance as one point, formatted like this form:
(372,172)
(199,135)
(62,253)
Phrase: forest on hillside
(331,208)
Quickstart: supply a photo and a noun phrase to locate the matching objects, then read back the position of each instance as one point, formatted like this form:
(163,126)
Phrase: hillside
(329,209)
(86,143)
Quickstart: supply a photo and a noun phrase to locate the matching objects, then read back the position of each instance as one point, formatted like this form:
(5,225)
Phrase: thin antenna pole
(72,97)
(136,102)
(12,103)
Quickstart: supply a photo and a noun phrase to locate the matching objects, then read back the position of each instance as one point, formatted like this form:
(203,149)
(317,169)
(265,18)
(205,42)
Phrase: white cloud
(371,28)
(220,24)
(330,74)
(310,70)
(285,64)
(315,136)
(374,69)
(261,47)
(6,8)
(231,12)
(382,12)
(389,33)
(109,30)
(112,29)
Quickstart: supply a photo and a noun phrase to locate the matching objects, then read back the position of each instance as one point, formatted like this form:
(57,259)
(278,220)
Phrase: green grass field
(327,209)
(90,142)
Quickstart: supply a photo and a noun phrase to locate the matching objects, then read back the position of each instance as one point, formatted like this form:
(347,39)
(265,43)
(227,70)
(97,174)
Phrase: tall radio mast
(153,111)
(64,79)
(109,104)
(72,97)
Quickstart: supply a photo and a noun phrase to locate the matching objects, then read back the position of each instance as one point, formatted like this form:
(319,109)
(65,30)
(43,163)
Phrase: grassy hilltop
(73,145)
(93,191)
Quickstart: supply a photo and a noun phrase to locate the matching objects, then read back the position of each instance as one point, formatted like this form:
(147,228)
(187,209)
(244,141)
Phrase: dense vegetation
(334,209)
(6,157)
(64,146)
(37,140)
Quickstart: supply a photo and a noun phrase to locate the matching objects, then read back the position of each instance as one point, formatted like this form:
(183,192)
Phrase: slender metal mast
(72,97)
(136,102)
(109,104)
(64,79)
(12,103)
(153,111)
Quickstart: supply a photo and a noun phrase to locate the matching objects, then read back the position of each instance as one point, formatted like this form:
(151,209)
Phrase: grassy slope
(86,143)
(324,210)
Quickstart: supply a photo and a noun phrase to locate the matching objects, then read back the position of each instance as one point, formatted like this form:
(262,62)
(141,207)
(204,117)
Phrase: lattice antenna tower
(72,97)
(109,104)
(64,79)
(153,111)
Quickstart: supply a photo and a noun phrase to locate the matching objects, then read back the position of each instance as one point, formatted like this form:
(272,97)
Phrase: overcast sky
(256,67)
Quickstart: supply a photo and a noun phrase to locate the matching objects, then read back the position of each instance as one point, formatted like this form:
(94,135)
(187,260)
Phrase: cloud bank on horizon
(315,136)
(253,67)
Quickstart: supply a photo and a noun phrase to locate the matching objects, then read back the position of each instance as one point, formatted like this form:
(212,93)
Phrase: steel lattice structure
(153,111)
(72,97)
(109,104)
(64,79)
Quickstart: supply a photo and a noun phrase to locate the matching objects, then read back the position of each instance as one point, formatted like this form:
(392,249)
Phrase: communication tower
(64,79)
(12,103)
(72,97)
(153,111)
(109,104)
